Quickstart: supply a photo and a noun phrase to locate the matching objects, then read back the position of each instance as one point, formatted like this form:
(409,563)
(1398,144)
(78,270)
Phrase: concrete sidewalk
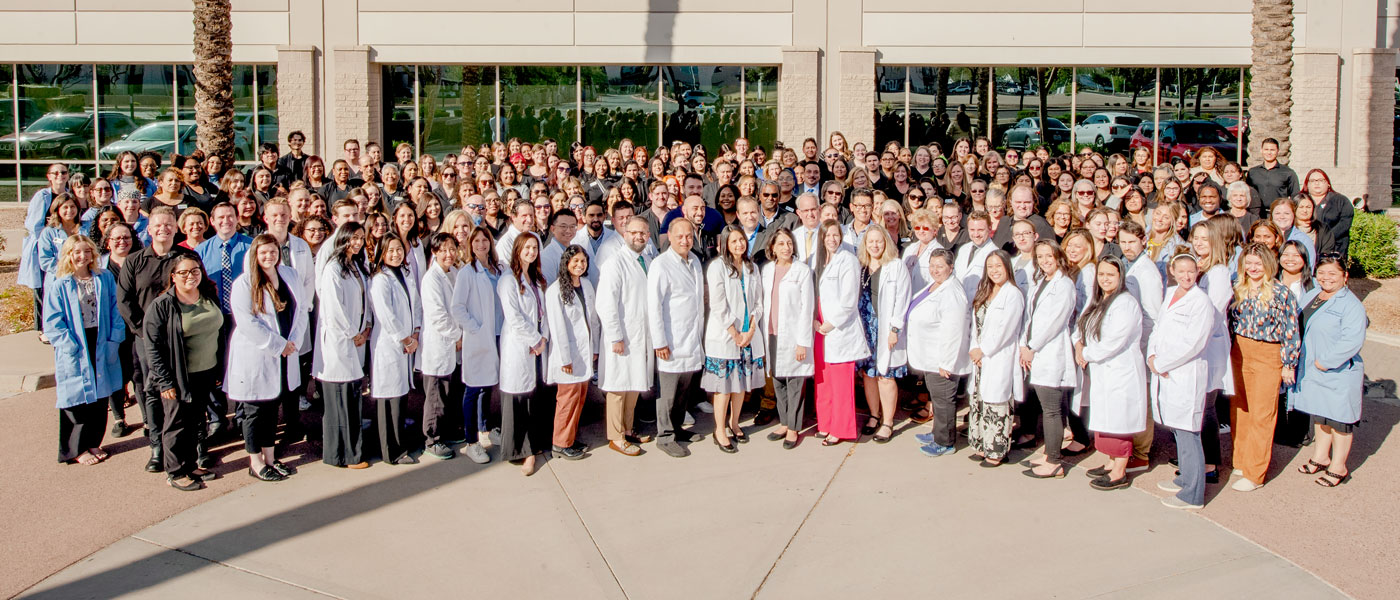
(852,521)
(26,364)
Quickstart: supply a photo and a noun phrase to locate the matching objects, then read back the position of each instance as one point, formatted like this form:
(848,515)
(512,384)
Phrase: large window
(85,115)
(1109,108)
(439,109)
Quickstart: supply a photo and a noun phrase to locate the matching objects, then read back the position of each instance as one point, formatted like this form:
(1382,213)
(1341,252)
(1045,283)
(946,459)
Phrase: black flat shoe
(285,470)
(869,429)
(203,475)
(1058,473)
(1098,472)
(883,439)
(266,474)
(739,435)
(185,484)
(1106,484)
(775,436)
(730,449)
(789,445)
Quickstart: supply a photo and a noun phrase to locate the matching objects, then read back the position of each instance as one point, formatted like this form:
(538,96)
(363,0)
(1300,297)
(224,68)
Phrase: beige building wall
(826,51)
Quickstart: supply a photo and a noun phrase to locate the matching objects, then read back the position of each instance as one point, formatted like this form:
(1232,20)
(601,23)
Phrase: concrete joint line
(237,568)
(592,539)
(805,517)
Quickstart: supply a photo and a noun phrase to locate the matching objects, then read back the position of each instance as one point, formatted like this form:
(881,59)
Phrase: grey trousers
(1192,461)
(787,395)
(943,392)
(670,403)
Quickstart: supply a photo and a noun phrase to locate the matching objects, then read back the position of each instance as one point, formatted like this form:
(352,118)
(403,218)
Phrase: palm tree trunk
(1271,92)
(213,76)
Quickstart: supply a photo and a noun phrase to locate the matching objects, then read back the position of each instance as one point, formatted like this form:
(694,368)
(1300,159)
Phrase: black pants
(217,408)
(527,420)
(259,424)
(674,388)
(80,428)
(312,433)
(39,305)
(1054,404)
(1210,429)
(436,392)
(117,401)
(391,434)
(152,407)
(943,393)
(341,437)
(184,424)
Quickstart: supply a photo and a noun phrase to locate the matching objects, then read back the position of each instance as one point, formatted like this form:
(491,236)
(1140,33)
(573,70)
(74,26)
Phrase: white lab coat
(969,264)
(595,257)
(1024,273)
(437,353)
(796,305)
(727,301)
(999,377)
(575,339)
(304,267)
(1216,284)
(891,307)
(1047,332)
(399,314)
(525,326)
(550,256)
(474,306)
(938,326)
(1179,347)
(1117,371)
(838,295)
(256,344)
(676,311)
(1144,282)
(506,243)
(800,253)
(622,316)
(916,260)
(345,312)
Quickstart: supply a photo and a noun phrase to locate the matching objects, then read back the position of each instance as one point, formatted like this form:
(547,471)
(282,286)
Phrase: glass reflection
(539,103)
(701,104)
(761,106)
(619,102)
(457,107)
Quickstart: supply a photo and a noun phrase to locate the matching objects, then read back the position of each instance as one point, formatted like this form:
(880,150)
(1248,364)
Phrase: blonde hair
(890,252)
(64,267)
(1264,291)
(888,205)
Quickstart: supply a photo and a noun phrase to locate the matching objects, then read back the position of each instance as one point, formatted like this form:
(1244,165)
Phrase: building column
(856,95)
(1372,120)
(1316,81)
(798,95)
(358,99)
(297,101)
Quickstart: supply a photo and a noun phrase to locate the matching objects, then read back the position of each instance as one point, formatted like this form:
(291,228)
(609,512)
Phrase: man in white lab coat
(625,353)
(676,321)
(1145,283)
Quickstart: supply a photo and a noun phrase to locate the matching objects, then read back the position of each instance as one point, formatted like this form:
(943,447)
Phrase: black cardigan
(165,347)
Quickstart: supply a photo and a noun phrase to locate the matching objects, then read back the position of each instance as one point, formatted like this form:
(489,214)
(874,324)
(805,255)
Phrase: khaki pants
(621,406)
(1254,407)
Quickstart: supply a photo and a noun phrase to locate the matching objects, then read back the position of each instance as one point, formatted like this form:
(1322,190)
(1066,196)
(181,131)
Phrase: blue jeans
(1191,458)
(473,412)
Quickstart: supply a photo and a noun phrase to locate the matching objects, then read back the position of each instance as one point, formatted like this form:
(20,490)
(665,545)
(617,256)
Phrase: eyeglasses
(190,272)
(864,205)
(475,207)
(63,172)
(977,191)
(769,195)
(829,193)
(542,207)
(105,189)
(922,228)
(576,207)
(1084,192)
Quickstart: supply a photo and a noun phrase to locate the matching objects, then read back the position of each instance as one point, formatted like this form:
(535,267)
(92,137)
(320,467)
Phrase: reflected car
(695,98)
(1183,139)
(961,86)
(1027,133)
(1232,124)
(1107,129)
(159,137)
(65,135)
(267,126)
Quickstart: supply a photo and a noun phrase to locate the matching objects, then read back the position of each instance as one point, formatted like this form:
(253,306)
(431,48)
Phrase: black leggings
(1054,411)
(184,424)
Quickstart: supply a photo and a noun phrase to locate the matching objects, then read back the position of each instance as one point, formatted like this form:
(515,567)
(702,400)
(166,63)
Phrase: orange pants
(568,407)
(1254,407)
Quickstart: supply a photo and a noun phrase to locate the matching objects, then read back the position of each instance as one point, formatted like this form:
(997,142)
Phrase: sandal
(881,439)
(1312,467)
(923,415)
(869,428)
(1330,483)
(831,441)
(87,459)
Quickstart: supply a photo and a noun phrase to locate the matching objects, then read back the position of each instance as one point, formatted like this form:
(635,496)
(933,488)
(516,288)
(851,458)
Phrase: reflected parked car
(267,126)
(1232,124)
(1027,133)
(1183,139)
(65,135)
(1107,129)
(160,137)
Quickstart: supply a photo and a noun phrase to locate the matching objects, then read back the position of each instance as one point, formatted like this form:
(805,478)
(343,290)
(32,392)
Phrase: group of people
(1048,294)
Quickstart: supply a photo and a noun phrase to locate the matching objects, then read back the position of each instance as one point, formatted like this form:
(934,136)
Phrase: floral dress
(869,295)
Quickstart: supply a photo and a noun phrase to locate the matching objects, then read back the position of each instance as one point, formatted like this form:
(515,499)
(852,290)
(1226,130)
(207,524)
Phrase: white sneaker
(689,420)
(705,407)
(495,437)
(477,454)
(1236,473)
(1168,485)
(1245,485)
(484,438)
(1174,502)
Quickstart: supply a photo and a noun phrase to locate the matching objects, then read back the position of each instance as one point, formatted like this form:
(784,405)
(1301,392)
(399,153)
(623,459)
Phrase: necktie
(642,261)
(810,236)
(225,277)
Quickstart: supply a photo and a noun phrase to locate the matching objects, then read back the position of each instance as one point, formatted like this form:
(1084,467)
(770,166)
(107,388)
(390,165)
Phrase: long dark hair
(1060,261)
(985,287)
(261,284)
(341,249)
(379,265)
(136,177)
(1092,319)
(493,263)
(822,256)
(1306,277)
(522,271)
(565,278)
(743,264)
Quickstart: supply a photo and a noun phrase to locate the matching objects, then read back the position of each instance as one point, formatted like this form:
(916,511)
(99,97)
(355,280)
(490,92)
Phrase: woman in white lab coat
(1176,356)
(997,310)
(1213,255)
(475,307)
(571,305)
(1078,247)
(525,420)
(924,224)
(787,322)
(625,356)
(937,319)
(439,357)
(1047,353)
(394,295)
(1107,348)
(840,337)
(342,332)
(884,302)
(733,347)
(266,327)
